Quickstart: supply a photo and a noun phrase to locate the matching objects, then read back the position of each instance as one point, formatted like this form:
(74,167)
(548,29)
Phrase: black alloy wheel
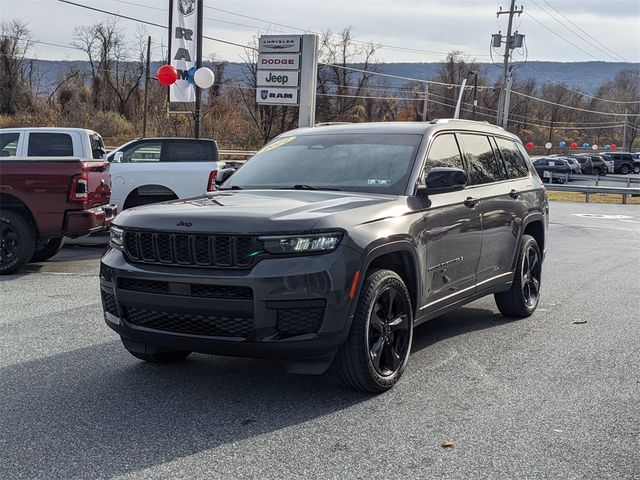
(624,169)
(17,241)
(8,243)
(388,336)
(531,269)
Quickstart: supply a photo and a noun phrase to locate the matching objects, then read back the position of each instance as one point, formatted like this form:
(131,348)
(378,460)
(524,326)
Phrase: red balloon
(574,146)
(529,145)
(613,146)
(167,75)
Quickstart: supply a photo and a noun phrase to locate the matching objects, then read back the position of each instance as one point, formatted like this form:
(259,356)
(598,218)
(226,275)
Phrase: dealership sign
(277,96)
(183,47)
(280,61)
(277,78)
(279,44)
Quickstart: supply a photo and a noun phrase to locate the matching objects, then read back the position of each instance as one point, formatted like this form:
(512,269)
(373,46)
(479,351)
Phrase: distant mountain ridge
(584,76)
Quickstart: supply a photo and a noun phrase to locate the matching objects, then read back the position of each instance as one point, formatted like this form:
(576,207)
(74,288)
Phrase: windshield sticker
(378,181)
(276,144)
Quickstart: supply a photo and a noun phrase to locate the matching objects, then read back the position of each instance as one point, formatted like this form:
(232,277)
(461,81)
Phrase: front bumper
(289,308)
(84,222)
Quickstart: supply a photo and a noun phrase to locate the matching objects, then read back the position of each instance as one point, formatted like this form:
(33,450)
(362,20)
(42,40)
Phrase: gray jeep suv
(329,246)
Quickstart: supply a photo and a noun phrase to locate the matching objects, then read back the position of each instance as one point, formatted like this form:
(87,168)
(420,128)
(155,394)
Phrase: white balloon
(595,147)
(204,77)
(548,145)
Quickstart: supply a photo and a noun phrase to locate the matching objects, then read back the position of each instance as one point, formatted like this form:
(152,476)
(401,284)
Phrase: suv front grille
(189,289)
(193,324)
(190,249)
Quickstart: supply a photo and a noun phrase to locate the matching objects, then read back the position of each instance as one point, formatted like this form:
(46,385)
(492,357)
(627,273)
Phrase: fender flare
(394,246)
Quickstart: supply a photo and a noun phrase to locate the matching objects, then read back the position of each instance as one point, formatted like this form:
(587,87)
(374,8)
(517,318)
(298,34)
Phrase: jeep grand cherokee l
(330,245)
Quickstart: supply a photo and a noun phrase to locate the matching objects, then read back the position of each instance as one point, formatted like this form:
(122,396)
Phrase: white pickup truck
(150,170)
(143,171)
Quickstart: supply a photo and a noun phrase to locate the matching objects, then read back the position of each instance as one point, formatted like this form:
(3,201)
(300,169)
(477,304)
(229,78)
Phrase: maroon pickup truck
(43,199)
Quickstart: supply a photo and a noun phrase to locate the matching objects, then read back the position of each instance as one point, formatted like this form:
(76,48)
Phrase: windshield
(373,163)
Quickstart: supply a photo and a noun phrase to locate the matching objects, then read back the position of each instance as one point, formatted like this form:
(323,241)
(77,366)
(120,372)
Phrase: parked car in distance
(330,245)
(55,183)
(547,166)
(151,170)
(592,164)
(575,166)
(623,162)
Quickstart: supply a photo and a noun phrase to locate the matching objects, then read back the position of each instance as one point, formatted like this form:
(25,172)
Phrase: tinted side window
(484,167)
(143,152)
(50,145)
(184,152)
(8,144)
(444,152)
(514,162)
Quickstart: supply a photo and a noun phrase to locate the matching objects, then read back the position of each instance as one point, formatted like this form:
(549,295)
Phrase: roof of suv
(421,128)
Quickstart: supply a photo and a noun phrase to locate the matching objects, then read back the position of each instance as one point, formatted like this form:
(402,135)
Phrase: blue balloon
(607,147)
(563,144)
(190,73)
(585,146)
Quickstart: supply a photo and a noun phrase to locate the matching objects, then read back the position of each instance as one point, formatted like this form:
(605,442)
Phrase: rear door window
(514,162)
(176,151)
(143,152)
(483,165)
(443,152)
(50,145)
(9,144)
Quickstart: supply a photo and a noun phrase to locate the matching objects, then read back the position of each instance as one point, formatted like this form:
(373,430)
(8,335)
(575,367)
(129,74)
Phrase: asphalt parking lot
(553,396)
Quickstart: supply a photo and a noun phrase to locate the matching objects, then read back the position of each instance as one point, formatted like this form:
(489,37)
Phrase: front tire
(17,242)
(522,299)
(377,350)
(52,247)
(624,169)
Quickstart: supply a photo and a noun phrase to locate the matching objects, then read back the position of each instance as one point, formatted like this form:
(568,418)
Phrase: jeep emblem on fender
(182,223)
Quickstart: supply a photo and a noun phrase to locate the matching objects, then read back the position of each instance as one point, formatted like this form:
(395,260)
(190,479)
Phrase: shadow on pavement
(96,412)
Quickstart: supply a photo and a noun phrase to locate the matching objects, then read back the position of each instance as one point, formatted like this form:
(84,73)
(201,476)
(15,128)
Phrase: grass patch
(593,198)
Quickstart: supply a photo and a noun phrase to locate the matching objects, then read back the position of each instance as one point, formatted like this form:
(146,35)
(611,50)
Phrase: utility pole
(509,44)
(624,131)
(146,87)
(425,101)
(196,114)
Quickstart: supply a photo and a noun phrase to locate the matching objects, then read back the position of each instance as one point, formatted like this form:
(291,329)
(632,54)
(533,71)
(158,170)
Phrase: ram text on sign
(183,33)
(278,61)
(277,96)
(277,78)
(279,44)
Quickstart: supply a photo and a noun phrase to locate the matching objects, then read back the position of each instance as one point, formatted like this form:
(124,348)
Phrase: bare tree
(15,42)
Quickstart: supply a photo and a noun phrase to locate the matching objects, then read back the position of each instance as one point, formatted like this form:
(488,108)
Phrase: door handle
(471,202)
(514,193)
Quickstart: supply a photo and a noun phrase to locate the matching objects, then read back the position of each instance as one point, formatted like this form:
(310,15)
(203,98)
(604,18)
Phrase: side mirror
(117,157)
(224,174)
(445,179)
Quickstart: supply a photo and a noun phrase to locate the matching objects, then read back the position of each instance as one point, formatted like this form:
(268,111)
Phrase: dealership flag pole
(196,114)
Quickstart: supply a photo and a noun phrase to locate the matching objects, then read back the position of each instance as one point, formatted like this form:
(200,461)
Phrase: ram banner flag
(183,35)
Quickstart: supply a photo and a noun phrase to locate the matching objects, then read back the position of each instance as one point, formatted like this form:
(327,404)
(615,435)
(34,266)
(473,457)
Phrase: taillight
(211,185)
(79,191)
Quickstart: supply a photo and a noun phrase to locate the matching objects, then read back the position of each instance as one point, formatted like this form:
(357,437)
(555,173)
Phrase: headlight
(323,242)
(117,236)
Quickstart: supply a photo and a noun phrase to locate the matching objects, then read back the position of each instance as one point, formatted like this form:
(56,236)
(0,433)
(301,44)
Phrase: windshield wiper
(302,186)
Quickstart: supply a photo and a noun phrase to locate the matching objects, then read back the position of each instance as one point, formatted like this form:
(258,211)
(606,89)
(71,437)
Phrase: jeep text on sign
(277,78)
(277,96)
(278,61)
(279,44)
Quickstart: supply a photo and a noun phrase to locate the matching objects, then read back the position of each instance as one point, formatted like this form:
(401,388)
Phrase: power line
(566,106)
(585,32)
(556,34)
(554,18)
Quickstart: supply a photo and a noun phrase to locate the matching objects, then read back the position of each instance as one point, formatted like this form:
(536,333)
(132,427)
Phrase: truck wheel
(17,242)
(636,169)
(522,299)
(377,350)
(52,247)
(624,169)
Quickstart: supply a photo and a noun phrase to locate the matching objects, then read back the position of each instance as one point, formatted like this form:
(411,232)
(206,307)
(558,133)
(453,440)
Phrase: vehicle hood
(261,211)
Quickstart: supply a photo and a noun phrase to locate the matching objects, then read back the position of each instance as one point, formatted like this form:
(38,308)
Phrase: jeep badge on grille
(182,223)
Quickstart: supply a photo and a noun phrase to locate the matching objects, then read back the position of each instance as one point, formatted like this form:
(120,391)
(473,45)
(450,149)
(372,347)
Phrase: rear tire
(52,247)
(377,350)
(17,242)
(523,297)
(624,169)
(636,170)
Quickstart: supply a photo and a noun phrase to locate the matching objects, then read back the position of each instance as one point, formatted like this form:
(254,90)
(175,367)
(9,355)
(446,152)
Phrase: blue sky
(426,25)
